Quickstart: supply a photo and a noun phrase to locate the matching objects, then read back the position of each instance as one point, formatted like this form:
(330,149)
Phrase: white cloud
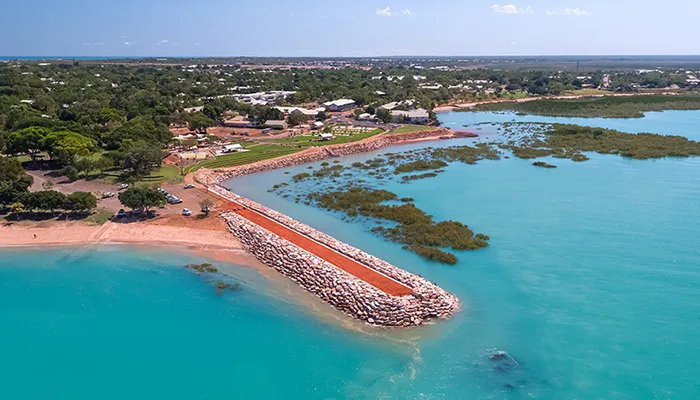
(511,9)
(197,44)
(127,43)
(512,43)
(386,12)
(164,41)
(575,12)
(98,43)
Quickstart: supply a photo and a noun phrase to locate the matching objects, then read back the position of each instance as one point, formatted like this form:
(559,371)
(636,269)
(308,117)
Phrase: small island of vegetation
(414,227)
(543,164)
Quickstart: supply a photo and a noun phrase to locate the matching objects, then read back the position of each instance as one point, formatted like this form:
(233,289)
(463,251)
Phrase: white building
(193,109)
(414,116)
(339,105)
(232,148)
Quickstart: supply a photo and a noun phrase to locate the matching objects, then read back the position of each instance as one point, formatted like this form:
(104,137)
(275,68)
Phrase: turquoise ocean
(591,284)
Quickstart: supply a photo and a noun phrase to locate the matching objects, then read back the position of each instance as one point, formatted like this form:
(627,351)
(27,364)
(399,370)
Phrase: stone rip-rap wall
(427,299)
(335,286)
(209,177)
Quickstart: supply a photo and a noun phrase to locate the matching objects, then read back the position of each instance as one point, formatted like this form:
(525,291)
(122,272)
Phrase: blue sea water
(591,283)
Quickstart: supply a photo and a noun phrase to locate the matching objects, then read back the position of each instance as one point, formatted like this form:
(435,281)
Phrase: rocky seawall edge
(331,284)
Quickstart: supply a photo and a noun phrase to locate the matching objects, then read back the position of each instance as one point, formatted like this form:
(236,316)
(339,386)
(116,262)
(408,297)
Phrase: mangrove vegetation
(598,107)
(412,227)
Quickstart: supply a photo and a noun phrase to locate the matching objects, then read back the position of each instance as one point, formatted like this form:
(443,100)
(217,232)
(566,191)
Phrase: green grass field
(413,128)
(166,173)
(313,141)
(99,217)
(256,153)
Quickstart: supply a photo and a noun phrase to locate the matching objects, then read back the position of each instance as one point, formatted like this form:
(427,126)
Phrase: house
(317,125)
(339,105)
(276,124)
(186,137)
(301,110)
(394,104)
(414,116)
(193,109)
(327,136)
(238,122)
(232,148)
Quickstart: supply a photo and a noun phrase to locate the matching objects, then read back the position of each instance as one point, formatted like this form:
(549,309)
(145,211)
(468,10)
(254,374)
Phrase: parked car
(174,200)
(186,212)
(106,195)
(189,186)
(161,191)
(121,213)
(123,186)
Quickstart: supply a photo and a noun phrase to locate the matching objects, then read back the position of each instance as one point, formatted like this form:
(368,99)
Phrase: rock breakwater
(346,292)
(343,290)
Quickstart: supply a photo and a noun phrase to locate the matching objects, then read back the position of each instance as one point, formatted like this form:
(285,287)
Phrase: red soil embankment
(374,278)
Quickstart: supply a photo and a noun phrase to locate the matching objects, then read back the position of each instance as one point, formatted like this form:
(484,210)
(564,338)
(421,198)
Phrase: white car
(186,212)
(189,186)
(123,186)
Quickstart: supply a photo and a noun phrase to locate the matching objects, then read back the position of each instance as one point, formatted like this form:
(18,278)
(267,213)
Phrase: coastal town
(316,201)
(121,177)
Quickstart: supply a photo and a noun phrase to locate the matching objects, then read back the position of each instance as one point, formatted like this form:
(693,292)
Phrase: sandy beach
(152,233)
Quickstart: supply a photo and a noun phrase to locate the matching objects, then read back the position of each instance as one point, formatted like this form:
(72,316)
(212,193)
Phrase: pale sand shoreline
(140,233)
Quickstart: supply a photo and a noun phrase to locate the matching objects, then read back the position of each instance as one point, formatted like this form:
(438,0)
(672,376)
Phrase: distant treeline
(604,107)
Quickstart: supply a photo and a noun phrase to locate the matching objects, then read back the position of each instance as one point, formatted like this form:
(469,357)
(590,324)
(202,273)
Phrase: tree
(205,205)
(141,160)
(44,200)
(13,181)
(10,169)
(321,116)
(66,146)
(103,163)
(200,122)
(212,112)
(80,202)
(297,119)
(142,198)
(84,165)
(17,208)
(28,141)
(383,115)
(138,129)
(109,114)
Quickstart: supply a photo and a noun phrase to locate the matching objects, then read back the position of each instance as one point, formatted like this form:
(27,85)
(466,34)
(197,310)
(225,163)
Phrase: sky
(357,28)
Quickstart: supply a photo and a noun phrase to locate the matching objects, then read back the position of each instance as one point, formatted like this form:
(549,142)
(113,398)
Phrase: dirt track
(348,265)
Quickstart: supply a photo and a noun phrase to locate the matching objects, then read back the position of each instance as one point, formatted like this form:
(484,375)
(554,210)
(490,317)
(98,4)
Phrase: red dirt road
(374,278)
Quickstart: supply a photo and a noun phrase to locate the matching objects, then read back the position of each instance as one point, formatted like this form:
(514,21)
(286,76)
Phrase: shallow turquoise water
(592,283)
(684,123)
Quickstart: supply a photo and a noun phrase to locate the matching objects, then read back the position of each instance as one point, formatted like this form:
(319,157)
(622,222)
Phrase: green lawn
(313,141)
(413,128)
(166,173)
(99,217)
(255,153)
